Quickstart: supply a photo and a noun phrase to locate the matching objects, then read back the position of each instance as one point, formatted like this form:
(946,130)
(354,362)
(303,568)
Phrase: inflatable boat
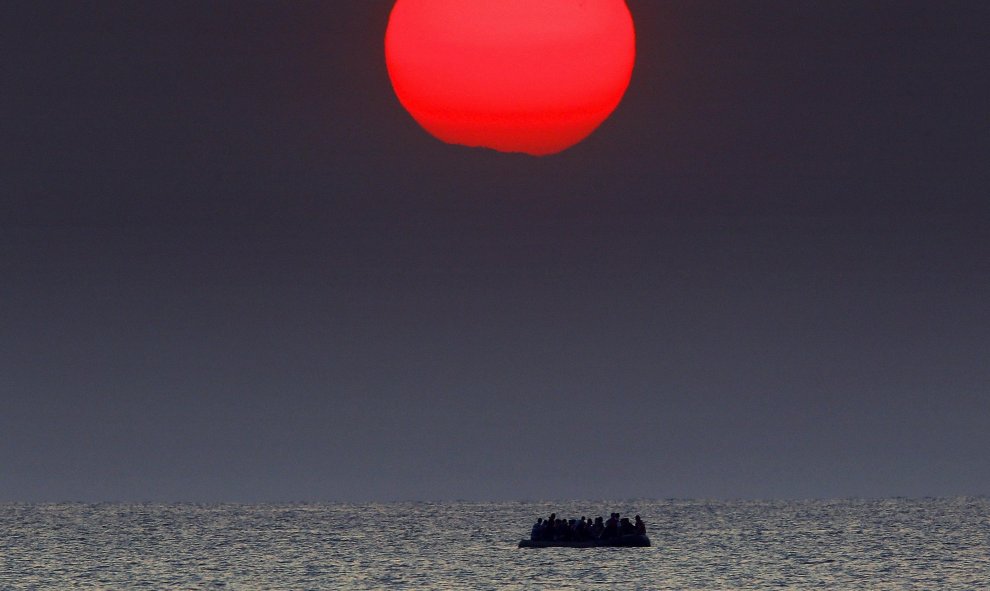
(629,541)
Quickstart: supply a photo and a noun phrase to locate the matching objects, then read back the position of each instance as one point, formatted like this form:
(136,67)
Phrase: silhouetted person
(640,526)
(549,525)
(537,530)
(611,527)
(625,527)
(582,530)
(597,528)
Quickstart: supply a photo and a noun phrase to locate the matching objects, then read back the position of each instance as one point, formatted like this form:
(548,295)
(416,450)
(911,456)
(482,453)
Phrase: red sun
(532,76)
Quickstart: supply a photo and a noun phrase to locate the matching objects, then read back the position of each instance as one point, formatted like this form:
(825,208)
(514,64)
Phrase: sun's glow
(532,76)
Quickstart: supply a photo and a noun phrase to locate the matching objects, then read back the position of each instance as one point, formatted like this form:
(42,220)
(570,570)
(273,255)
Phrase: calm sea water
(848,544)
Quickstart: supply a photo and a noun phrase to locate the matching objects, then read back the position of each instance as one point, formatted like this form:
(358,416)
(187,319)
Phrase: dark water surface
(844,544)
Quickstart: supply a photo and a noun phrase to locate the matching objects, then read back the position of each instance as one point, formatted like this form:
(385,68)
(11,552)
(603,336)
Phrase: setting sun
(532,76)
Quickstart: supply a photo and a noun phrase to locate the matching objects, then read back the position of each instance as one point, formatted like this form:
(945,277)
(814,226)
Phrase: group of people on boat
(553,529)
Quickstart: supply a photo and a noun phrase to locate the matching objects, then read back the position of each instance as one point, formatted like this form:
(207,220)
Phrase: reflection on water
(849,544)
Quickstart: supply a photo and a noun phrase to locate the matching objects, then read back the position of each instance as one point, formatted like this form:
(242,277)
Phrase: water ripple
(847,544)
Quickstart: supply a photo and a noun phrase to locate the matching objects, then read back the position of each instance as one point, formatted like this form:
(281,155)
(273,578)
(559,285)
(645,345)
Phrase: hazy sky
(233,268)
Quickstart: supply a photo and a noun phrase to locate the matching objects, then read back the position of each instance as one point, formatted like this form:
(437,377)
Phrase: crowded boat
(585,532)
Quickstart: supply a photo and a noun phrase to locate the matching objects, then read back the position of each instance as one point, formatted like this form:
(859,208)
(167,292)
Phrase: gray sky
(233,268)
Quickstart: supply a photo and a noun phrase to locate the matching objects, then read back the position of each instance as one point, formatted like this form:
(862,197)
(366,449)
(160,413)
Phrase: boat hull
(633,541)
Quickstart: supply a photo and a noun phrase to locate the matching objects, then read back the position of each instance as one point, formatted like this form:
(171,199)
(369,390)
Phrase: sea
(814,544)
